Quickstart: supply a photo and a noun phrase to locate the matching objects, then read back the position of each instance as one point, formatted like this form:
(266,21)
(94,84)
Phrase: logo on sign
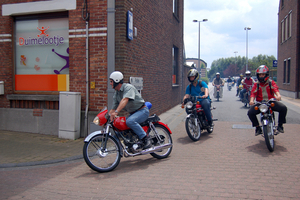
(42,39)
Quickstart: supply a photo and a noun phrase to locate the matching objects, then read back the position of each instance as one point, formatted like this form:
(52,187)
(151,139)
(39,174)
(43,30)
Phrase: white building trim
(38,7)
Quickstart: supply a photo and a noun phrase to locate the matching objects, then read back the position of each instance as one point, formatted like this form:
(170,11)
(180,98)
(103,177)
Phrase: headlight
(96,120)
(189,105)
(263,108)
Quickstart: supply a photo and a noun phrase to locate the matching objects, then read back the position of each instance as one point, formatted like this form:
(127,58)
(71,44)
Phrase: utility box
(69,115)
(1,87)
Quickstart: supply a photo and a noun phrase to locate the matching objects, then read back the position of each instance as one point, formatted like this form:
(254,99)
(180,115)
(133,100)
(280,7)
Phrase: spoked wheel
(193,128)
(269,136)
(164,138)
(101,158)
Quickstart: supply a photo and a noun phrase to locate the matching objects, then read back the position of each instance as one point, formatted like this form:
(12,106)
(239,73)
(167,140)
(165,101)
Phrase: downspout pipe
(110,48)
(85,16)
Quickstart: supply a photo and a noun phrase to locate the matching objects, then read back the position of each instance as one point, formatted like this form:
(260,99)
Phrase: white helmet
(116,76)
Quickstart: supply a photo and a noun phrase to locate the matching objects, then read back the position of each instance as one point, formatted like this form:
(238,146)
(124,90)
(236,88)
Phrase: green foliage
(234,66)
(202,66)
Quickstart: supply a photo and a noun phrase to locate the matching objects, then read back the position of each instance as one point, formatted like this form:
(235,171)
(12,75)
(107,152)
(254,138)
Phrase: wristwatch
(116,111)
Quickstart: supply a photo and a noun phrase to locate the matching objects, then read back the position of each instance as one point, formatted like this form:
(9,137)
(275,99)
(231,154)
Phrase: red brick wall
(149,55)
(97,55)
(6,70)
(289,48)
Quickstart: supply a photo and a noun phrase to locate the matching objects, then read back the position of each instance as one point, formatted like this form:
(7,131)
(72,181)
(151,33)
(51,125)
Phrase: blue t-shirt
(197,91)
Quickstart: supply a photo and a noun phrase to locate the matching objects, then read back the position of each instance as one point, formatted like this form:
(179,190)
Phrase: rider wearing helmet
(199,88)
(247,83)
(128,98)
(266,89)
(238,83)
(218,81)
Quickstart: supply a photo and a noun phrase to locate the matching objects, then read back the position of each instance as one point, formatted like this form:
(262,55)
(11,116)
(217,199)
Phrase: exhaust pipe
(153,149)
(150,150)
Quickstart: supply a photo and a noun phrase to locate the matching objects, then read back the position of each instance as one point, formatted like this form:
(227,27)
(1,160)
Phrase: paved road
(230,163)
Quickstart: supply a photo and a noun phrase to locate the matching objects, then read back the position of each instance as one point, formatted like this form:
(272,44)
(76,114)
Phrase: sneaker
(258,131)
(280,129)
(147,142)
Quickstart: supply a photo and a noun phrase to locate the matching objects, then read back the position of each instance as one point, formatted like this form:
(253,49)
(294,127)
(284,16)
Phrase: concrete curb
(44,162)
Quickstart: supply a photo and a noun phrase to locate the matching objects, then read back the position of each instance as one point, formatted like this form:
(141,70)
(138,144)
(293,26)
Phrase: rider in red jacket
(266,89)
(247,83)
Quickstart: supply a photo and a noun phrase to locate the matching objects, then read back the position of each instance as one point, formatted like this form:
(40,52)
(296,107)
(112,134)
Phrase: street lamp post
(204,20)
(235,62)
(247,28)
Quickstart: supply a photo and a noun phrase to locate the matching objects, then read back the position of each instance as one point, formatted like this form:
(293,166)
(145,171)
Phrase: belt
(143,106)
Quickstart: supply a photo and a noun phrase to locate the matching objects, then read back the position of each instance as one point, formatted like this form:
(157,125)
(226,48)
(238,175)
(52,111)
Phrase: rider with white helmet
(128,98)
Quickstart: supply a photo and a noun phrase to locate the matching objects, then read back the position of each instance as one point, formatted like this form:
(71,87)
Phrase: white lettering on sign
(137,82)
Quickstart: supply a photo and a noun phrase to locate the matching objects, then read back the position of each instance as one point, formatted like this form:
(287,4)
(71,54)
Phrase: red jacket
(247,83)
(264,92)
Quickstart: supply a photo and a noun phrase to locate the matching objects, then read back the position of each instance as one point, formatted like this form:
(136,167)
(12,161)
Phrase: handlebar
(266,102)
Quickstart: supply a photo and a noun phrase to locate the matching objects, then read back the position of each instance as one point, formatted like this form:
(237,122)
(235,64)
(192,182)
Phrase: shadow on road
(186,140)
(261,149)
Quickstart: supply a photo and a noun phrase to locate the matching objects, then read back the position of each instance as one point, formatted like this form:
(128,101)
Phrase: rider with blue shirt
(199,88)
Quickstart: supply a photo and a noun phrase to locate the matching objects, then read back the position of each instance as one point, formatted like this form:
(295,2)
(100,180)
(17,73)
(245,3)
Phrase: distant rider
(266,90)
(238,83)
(199,88)
(218,81)
(127,97)
(230,80)
(247,83)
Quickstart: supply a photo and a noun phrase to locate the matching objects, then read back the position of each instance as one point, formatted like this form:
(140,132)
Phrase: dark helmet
(193,72)
(263,69)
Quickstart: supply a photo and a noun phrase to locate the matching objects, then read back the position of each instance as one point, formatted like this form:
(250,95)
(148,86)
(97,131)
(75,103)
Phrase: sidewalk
(20,149)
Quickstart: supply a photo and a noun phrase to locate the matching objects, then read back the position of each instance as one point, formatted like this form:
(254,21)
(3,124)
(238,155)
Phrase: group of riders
(128,98)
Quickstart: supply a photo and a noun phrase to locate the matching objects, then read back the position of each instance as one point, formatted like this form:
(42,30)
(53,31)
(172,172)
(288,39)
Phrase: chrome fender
(90,136)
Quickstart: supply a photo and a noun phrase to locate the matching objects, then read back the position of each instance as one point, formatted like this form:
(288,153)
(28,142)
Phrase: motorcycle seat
(152,118)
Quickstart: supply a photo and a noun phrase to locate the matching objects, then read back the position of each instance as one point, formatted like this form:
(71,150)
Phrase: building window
(42,53)
(284,71)
(290,24)
(282,31)
(282,3)
(175,8)
(288,71)
(286,28)
(175,65)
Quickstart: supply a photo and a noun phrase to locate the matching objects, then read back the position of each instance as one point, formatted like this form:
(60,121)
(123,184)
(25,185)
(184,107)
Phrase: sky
(223,33)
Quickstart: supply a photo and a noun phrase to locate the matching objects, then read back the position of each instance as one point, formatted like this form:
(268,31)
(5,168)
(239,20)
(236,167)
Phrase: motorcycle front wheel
(101,158)
(193,128)
(269,135)
(165,135)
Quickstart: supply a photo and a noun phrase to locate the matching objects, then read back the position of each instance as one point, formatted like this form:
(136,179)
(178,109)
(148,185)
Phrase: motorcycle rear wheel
(100,159)
(193,128)
(269,135)
(163,132)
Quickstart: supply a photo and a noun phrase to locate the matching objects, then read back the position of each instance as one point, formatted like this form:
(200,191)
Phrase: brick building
(44,51)
(288,74)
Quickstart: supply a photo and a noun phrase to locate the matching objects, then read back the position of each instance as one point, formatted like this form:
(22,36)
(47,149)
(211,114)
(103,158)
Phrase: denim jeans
(205,103)
(133,121)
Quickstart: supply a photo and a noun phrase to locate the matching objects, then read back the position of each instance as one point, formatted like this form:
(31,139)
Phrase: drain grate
(242,126)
